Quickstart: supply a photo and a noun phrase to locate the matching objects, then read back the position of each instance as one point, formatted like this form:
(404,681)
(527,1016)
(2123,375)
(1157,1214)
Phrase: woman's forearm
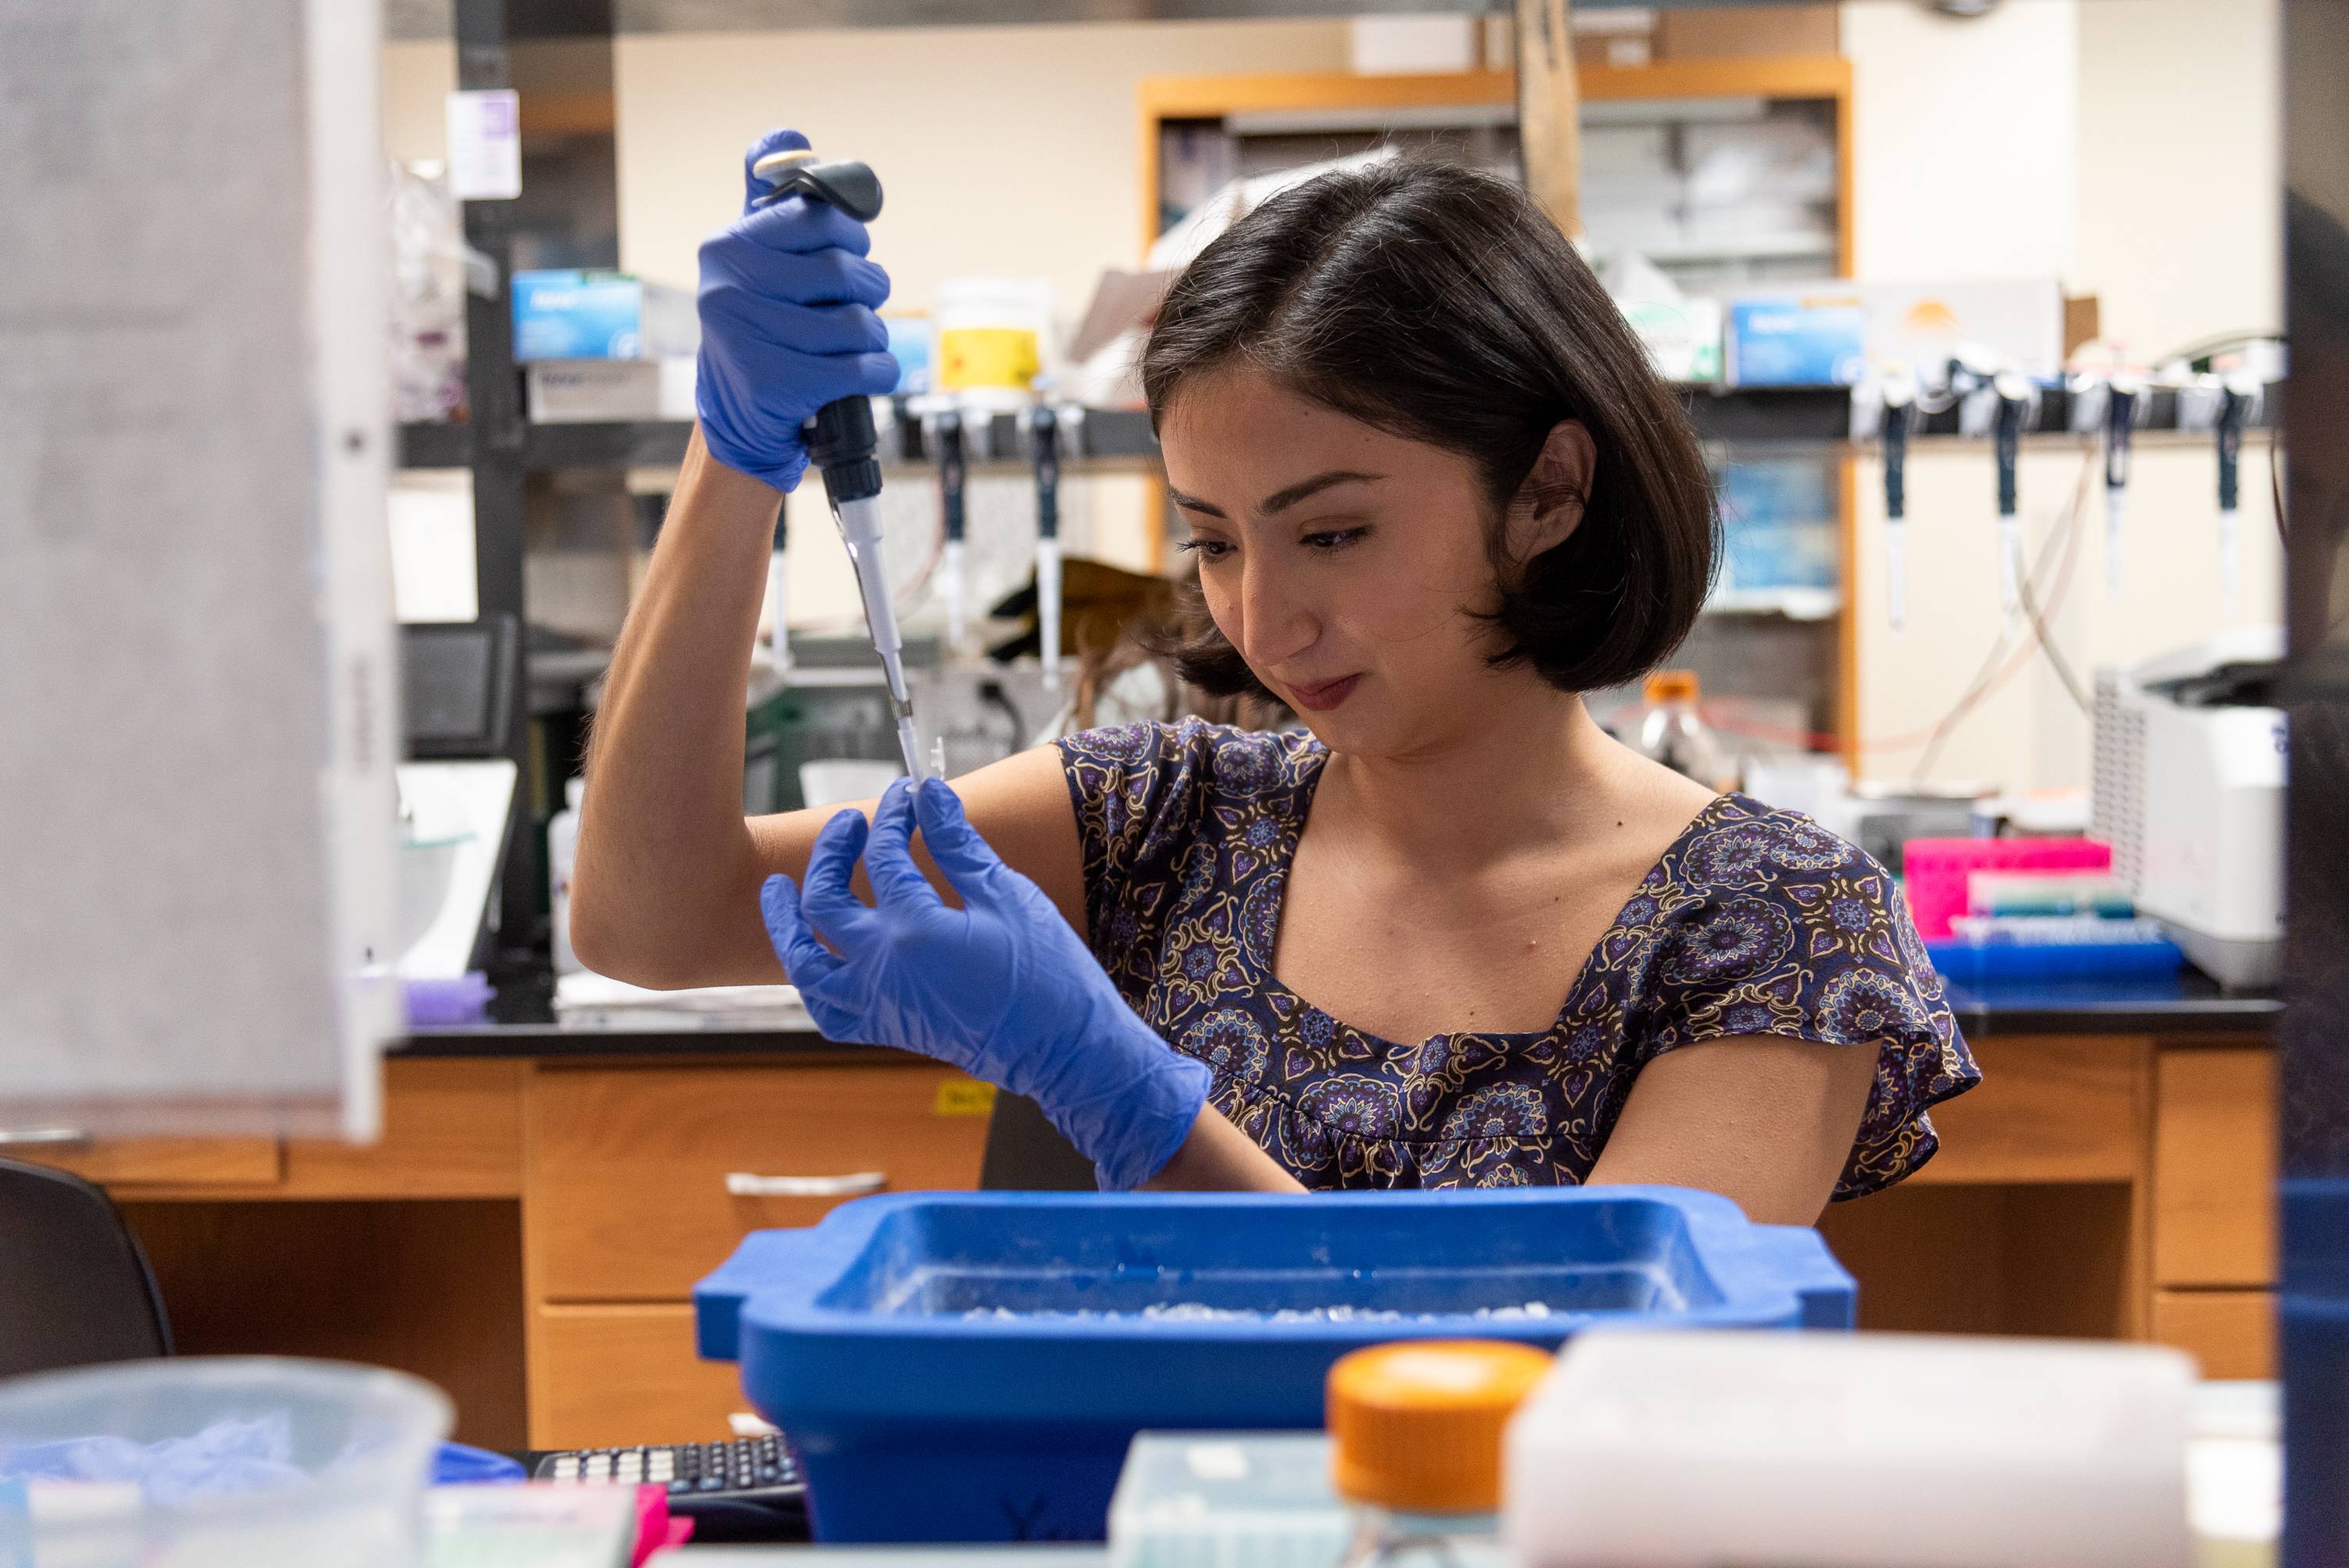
(666,888)
(1219,1158)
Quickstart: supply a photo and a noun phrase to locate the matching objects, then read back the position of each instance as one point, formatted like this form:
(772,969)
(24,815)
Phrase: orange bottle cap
(1670,685)
(1417,1425)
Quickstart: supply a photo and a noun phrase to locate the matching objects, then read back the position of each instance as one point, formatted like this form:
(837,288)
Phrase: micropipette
(2120,419)
(841,440)
(952,470)
(1899,401)
(1045,425)
(2014,402)
(2234,407)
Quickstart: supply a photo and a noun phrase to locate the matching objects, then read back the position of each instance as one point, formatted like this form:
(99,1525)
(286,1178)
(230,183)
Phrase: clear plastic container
(1672,733)
(343,1489)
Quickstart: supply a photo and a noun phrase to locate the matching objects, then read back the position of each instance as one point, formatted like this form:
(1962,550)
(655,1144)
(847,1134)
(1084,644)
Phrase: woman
(1453,933)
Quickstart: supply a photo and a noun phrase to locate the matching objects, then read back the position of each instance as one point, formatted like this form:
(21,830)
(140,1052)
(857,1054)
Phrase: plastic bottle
(562,855)
(1415,1431)
(1672,733)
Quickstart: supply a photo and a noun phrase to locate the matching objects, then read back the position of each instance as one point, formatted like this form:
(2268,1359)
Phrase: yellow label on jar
(971,356)
(963,1096)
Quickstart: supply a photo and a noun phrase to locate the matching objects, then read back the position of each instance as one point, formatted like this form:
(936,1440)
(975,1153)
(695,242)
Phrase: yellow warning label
(963,1096)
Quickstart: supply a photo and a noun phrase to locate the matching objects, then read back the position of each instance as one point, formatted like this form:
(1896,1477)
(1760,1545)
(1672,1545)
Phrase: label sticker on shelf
(964,1097)
(485,145)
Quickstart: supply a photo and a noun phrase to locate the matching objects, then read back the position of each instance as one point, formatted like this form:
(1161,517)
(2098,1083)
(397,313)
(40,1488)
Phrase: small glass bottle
(1415,1433)
(1671,732)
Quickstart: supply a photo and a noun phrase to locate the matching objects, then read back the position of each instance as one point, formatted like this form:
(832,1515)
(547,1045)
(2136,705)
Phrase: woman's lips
(1328,694)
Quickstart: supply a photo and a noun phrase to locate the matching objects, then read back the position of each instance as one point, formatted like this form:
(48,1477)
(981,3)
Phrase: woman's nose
(1276,620)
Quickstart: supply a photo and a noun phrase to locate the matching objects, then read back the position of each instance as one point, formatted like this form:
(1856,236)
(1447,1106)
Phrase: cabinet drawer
(2230,1332)
(142,1162)
(450,1129)
(627,1181)
(2214,1164)
(2051,1108)
(606,1377)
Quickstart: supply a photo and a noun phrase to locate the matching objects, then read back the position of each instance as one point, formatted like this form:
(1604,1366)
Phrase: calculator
(696,1475)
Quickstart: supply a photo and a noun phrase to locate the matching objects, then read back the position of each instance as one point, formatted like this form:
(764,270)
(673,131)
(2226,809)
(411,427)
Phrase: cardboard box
(609,391)
(570,315)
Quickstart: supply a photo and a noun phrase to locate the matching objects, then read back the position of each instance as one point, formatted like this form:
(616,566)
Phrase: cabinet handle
(42,1137)
(743,1184)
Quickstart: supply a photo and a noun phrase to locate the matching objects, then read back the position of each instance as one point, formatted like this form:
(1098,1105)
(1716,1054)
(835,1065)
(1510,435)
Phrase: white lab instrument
(1044,430)
(1900,410)
(1690,1449)
(2123,402)
(2239,396)
(2017,400)
(2188,791)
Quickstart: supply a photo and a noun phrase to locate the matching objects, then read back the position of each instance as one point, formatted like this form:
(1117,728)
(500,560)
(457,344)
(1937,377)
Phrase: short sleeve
(1769,924)
(1139,790)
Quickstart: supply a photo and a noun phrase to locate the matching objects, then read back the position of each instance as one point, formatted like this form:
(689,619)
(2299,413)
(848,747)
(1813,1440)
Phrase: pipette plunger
(1046,427)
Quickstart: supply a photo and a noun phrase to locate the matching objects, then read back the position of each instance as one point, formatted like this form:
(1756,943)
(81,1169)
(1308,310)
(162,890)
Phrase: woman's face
(1344,562)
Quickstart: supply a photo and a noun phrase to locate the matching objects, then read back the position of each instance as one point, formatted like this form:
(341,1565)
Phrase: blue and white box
(1797,339)
(565,314)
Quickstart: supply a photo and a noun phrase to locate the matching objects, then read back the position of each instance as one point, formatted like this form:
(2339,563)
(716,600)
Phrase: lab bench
(529,1229)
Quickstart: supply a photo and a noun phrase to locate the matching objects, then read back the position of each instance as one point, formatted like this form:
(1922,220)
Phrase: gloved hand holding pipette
(1002,988)
(787,298)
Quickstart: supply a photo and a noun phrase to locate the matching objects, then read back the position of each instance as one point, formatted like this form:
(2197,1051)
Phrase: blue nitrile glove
(1000,987)
(787,325)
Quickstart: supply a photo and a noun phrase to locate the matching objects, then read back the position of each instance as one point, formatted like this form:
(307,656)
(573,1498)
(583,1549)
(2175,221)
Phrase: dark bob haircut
(1442,305)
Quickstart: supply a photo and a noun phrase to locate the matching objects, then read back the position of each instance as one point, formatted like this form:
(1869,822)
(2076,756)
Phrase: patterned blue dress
(1754,921)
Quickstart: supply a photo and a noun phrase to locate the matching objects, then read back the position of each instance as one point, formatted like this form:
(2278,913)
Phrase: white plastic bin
(358,1449)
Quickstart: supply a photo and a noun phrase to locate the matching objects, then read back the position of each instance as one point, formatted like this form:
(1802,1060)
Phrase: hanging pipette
(1899,405)
(2235,403)
(2120,419)
(1044,426)
(2014,402)
(945,428)
(778,594)
(841,442)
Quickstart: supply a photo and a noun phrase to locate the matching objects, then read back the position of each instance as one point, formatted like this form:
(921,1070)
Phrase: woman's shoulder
(1191,754)
(1738,843)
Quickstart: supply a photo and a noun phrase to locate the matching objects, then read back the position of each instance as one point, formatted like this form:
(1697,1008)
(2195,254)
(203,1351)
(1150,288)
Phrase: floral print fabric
(1754,921)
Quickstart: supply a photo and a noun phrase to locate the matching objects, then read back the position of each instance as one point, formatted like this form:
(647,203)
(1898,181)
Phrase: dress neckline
(1278,867)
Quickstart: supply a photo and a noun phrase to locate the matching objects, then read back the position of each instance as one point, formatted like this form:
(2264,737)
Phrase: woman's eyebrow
(1280,500)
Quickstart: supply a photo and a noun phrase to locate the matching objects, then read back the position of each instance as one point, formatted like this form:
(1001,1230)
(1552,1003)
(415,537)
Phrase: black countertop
(523,1022)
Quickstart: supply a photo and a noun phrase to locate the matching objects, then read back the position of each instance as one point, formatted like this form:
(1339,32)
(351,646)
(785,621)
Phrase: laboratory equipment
(334,1462)
(2188,782)
(1936,873)
(778,595)
(1672,733)
(562,861)
(945,430)
(1690,1451)
(972,1366)
(2239,400)
(1193,1500)
(2124,396)
(2015,398)
(840,441)
(697,1476)
(1044,433)
(1900,409)
(1415,1432)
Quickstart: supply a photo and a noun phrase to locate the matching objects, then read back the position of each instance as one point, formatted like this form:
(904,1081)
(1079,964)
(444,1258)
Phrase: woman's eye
(1334,539)
(1206,549)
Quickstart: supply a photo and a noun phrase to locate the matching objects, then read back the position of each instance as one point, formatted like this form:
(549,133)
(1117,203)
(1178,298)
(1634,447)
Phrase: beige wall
(1004,151)
(417,76)
(2180,170)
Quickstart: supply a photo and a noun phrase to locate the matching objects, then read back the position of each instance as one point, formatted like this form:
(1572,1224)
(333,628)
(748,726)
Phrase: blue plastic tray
(1967,961)
(971,1366)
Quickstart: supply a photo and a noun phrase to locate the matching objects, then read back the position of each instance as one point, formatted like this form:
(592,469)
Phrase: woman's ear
(1547,507)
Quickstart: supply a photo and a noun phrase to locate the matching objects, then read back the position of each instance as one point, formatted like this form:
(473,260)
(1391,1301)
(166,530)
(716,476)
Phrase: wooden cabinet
(2230,1332)
(2048,1110)
(2214,1163)
(643,1180)
(603,1377)
(159,1163)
